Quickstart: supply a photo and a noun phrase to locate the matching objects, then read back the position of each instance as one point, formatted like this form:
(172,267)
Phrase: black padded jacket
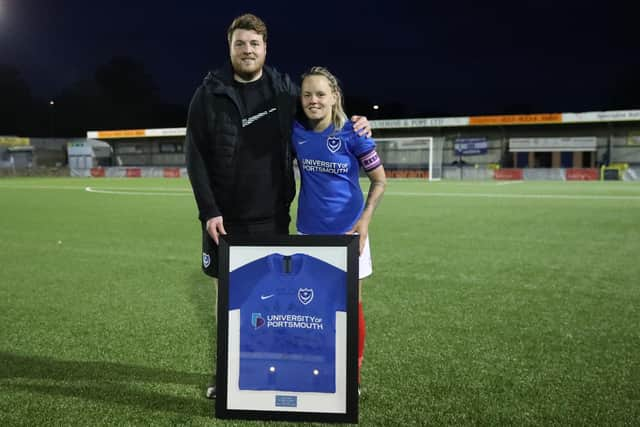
(213,135)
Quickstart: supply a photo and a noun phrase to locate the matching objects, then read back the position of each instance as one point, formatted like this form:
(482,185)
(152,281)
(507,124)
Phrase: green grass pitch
(490,304)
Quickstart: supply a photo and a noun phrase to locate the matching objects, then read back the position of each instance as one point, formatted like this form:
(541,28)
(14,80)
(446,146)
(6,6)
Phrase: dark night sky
(446,57)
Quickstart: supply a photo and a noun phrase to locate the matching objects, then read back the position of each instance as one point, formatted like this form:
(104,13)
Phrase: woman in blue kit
(330,154)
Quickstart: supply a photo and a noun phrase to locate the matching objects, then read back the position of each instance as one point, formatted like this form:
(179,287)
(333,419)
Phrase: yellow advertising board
(127,133)
(13,141)
(515,119)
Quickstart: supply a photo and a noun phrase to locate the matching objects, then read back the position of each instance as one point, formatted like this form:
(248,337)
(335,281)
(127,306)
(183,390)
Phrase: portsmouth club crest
(305,295)
(257,321)
(334,143)
(206,260)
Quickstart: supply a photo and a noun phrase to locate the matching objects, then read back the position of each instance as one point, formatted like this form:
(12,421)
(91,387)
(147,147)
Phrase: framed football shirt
(287,328)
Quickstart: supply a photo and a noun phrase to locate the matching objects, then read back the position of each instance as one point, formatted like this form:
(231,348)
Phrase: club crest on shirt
(334,143)
(206,260)
(305,295)
(257,321)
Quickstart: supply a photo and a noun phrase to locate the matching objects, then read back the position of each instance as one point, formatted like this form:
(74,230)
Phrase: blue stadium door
(523,159)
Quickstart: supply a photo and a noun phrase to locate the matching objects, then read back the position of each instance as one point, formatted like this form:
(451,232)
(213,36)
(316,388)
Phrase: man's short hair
(248,21)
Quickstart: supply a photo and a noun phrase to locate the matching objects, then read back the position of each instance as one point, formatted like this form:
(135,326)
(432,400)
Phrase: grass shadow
(107,382)
(123,395)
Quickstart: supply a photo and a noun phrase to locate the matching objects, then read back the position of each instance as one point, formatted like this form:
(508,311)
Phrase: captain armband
(370,160)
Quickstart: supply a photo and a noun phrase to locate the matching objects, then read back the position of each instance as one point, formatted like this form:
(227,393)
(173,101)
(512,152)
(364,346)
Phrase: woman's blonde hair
(338,116)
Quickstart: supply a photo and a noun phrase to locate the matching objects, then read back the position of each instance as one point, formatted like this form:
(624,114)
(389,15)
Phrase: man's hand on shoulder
(361,125)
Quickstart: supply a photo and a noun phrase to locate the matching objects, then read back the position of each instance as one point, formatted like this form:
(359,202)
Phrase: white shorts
(365,266)
(364,261)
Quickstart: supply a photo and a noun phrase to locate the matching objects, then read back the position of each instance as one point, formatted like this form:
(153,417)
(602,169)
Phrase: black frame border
(351,242)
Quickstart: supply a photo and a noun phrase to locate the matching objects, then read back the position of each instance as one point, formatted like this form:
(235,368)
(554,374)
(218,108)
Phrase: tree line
(121,94)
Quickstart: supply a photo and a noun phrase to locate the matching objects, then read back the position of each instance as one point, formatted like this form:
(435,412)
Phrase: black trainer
(211,391)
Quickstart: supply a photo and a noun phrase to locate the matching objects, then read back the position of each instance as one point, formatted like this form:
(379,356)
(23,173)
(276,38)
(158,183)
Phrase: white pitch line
(187,192)
(39,187)
(515,196)
(81,188)
(509,183)
(177,190)
(134,193)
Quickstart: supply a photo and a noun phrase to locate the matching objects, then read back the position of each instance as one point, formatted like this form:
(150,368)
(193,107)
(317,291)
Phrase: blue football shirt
(288,308)
(330,199)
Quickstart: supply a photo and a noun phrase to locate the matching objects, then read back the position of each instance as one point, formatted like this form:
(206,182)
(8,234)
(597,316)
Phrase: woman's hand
(361,228)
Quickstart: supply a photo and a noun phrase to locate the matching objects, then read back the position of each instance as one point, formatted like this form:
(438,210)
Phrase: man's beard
(248,74)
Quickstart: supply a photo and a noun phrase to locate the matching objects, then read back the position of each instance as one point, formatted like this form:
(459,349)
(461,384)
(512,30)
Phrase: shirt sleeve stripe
(370,160)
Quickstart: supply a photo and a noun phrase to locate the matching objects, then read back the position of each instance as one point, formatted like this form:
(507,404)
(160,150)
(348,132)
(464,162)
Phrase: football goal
(411,157)
(435,159)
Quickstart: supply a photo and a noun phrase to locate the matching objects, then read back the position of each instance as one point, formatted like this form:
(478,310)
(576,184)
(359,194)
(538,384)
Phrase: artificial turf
(490,304)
